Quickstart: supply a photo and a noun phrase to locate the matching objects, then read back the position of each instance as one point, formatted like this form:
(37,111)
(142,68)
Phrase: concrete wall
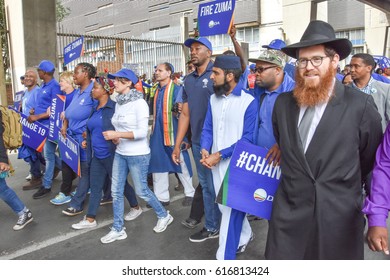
(296,17)
(13,10)
(32,28)
(376,23)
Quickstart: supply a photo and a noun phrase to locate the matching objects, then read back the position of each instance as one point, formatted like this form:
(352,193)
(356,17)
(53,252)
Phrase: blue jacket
(108,112)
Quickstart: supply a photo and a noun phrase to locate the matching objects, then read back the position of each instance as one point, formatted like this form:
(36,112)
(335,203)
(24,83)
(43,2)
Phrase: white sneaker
(114,235)
(84,223)
(29,177)
(133,214)
(163,223)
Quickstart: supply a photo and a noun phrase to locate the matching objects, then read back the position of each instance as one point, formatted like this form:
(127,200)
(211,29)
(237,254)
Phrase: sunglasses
(262,69)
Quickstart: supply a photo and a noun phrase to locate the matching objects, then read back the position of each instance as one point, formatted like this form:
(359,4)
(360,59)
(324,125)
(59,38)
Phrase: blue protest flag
(33,134)
(73,50)
(55,123)
(250,182)
(382,61)
(70,152)
(215,17)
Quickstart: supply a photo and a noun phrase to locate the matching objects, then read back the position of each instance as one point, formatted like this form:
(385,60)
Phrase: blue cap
(124,73)
(252,66)
(227,62)
(200,40)
(46,66)
(276,44)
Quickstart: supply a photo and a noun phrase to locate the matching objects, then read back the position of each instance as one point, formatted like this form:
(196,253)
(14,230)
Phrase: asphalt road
(50,236)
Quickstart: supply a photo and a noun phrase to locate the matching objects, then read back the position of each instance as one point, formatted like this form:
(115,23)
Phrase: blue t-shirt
(265,133)
(79,110)
(44,98)
(99,144)
(69,98)
(29,100)
(197,91)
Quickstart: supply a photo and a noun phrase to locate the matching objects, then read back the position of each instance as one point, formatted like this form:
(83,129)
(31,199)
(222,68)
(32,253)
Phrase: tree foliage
(3,34)
(61,11)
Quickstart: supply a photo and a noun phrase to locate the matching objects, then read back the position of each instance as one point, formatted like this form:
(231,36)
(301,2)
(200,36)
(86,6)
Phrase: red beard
(307,93)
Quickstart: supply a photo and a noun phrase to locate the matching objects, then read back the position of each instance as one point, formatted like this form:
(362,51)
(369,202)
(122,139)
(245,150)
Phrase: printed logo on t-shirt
(205,82)
(82,101)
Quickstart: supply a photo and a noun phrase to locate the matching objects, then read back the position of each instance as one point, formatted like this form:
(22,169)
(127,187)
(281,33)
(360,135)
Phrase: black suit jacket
(317,207)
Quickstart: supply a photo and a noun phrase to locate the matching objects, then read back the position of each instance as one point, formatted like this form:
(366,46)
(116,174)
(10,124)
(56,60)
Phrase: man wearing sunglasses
(271,81)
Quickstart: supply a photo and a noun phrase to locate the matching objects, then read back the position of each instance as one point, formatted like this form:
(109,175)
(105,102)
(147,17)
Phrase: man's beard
(306,93)
(219,90)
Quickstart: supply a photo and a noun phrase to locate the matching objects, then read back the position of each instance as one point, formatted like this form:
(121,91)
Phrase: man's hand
(210,160)
(377,239)
(232,32)
(32,118)
(4,167)
(273,155)
(176,155)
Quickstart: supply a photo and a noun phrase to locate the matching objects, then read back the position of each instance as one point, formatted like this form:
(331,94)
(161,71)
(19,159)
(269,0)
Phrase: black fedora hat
(320,33)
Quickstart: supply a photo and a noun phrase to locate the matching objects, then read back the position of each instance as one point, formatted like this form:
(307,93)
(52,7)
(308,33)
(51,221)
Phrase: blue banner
(18,100)
(382,61)
(215,17)
(33,134)
(55,123)
(250,182)
(74,50)
(70,152)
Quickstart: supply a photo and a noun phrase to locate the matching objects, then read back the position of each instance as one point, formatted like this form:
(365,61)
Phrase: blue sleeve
(206,139)
(184,95)
(179,96)
(248,131)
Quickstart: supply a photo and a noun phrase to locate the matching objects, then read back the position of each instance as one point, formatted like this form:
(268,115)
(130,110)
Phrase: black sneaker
(190,223)
(42,192)
(163,203)
(203,235)
(242,248)
(23,220)
(105,201)
(72,211)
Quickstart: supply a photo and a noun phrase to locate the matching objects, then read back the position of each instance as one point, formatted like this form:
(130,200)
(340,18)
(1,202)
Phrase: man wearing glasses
(328,134)
(271,81)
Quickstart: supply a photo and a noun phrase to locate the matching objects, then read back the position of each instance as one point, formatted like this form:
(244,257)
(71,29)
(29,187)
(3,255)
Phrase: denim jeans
(211,210)
(10,197)
(138,167)
(77,201)
(99,171)
(35,168)
(52,160)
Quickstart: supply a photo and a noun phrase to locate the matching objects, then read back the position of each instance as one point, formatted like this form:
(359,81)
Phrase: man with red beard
(328,134)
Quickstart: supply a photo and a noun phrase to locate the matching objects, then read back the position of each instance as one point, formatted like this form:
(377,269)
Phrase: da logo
(213,23)
(260,195)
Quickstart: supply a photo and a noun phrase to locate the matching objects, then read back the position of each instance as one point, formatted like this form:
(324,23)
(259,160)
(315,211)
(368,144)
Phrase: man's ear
(229,77)
(335,61)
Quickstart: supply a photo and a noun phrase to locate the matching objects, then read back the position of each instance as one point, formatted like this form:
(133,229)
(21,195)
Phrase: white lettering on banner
(257,164)
(219,8)
(77,43)
(67,143)
(67,49)
(32,126)
(207,10)
(223,7)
